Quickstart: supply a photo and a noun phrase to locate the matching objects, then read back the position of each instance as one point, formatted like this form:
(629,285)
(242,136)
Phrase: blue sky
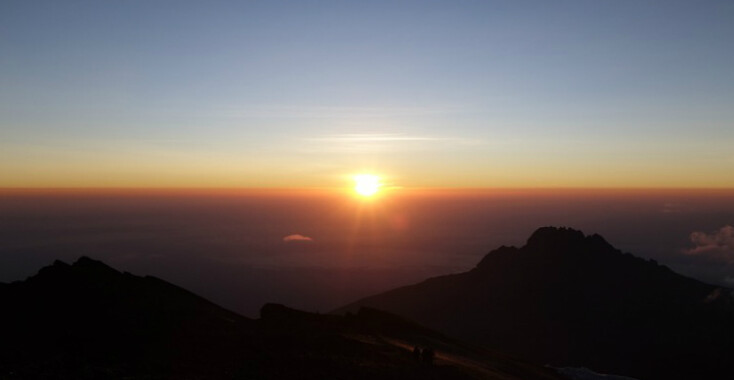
(432,93)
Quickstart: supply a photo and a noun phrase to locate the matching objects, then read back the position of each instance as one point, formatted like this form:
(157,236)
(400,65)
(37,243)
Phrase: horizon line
(193,189)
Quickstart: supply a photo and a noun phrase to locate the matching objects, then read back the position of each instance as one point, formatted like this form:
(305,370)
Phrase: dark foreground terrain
(89,321)
(566,299)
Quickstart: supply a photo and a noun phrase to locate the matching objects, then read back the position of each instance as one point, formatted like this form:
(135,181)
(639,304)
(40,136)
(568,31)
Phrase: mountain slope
(89,321)
(89,316)
(572,300)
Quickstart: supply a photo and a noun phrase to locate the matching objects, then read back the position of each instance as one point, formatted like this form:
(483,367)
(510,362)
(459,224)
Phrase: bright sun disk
(366,185)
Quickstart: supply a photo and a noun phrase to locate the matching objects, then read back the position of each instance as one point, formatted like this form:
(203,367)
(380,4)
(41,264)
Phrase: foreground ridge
(89,321)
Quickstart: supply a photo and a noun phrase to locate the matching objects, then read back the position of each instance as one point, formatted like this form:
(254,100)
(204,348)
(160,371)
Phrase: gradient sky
(430,93)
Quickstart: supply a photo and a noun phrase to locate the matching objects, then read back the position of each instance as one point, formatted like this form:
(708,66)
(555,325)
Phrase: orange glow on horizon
(383,191)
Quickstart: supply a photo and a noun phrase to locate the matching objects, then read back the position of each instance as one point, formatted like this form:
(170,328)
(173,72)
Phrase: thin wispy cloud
(674,208)
(336,112)
(374,142)
(377,137)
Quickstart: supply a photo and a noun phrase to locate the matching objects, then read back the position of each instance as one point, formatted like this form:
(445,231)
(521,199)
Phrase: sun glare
(366,185)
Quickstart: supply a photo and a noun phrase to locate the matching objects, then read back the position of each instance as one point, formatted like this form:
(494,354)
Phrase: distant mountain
(567,299)
(89,321)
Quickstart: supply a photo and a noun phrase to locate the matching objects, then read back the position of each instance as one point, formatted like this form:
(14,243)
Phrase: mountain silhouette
(90,321)
(567,299)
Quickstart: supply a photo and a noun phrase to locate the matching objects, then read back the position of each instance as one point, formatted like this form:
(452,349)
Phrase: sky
(274,94)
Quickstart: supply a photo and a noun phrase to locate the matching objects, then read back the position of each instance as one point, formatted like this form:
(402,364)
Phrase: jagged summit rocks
(553,239)
(568,299)
(553,244)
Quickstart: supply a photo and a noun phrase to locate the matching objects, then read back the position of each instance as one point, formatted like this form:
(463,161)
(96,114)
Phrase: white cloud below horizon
(296,237)
(717,245)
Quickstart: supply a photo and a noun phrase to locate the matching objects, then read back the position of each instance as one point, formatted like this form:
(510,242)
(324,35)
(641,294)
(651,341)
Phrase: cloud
(388,137)
(373,137)
(335,112)
(382,142)
(296,237)
(718,245)
(672,208)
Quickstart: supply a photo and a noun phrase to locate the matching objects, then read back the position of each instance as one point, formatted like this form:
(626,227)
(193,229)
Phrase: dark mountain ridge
(573,300)
(92,318)
(90,321)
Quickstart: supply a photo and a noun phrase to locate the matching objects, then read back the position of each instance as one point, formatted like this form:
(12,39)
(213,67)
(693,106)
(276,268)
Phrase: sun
(367,185)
